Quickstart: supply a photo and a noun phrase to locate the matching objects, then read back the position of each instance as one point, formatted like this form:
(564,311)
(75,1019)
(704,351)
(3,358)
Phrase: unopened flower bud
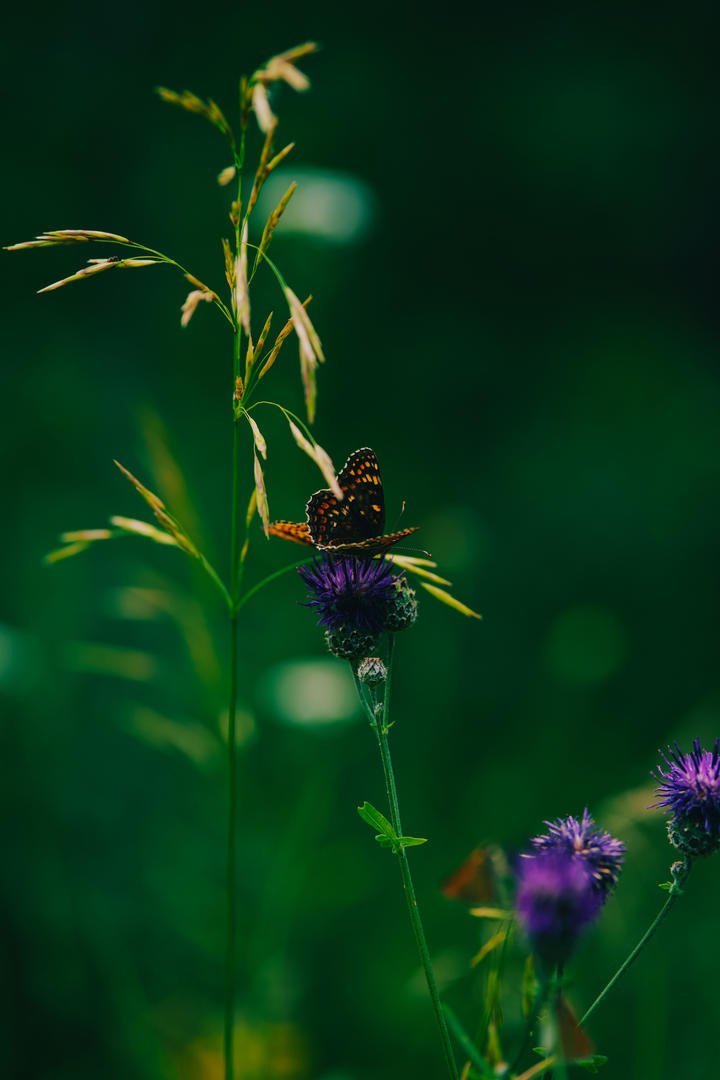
(691,837)
(350,642)
(372,671)
(401,607)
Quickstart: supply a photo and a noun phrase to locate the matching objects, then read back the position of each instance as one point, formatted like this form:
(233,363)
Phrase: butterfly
(353,525)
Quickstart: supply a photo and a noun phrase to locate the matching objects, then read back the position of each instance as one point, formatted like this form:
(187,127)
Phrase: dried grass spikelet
(310,350)
(170,526)
(261,106)
(191,302)
(321,459)
(87,535)
(265,168)
(260,444)
(261,340)
(96,266)
(262,163)
(252,507)
(67,236)
(261,495)
(229,264)
(254,351)
(192,103)
(272,221)
(143,528)
(242,295)
(226,175)
(282,67)
(66,552)
(279,341)
(418,566)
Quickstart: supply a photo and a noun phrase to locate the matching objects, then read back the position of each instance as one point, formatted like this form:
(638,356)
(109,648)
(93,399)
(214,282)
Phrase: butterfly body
(353,525)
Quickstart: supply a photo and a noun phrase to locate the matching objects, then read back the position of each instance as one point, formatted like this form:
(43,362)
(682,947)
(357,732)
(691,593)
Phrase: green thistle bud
(401,608)
(692,838)
(372,671)
(349,642)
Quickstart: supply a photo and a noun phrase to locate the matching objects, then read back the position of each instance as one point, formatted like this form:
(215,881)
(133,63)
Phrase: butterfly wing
(360,515)
(352,525)
(372,545)
(291,530)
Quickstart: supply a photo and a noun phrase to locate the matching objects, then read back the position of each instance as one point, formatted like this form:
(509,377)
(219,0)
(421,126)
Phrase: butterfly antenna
(398,518)
(416,551)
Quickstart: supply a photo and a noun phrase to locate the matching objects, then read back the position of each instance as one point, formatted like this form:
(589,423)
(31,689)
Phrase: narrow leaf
(446,598)
(490,945)
(489,913)
(375,819)
(528,987)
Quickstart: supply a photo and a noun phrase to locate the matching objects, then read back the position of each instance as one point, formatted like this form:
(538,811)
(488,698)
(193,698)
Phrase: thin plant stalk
(675,892)
(380,726)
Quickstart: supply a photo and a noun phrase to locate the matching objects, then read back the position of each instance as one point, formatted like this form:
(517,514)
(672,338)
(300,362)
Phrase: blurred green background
(522,321)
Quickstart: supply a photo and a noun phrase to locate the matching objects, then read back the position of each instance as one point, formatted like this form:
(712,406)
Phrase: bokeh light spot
(311,692)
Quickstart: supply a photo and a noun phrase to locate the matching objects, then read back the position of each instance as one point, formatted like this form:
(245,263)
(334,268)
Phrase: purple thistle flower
(690,790)
(596,849)
(556,900)
(349,593)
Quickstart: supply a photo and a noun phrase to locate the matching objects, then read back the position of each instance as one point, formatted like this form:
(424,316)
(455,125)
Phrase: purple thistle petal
(346,592)
(556,900)
(599,852)
(690,786)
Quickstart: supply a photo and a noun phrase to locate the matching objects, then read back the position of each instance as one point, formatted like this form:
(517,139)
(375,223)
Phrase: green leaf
(529,986)
(376,820)
(592,1064)
(466,1043)
(386,835)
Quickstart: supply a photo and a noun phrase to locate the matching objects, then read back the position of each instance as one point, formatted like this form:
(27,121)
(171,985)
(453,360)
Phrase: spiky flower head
(556,900)
(689,788)
(349,593)
(596,849)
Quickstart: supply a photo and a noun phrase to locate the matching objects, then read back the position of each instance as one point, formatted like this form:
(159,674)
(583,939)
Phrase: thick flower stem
(380,725)
(675,892)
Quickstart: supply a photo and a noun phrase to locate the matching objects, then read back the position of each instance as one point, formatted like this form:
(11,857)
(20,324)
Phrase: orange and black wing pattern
(352,525)
(291,530)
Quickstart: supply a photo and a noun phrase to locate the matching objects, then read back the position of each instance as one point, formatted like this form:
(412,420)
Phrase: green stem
(675,892)
(231,932)
(266,581)
(538,1004)
(231,914)
(380,726)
